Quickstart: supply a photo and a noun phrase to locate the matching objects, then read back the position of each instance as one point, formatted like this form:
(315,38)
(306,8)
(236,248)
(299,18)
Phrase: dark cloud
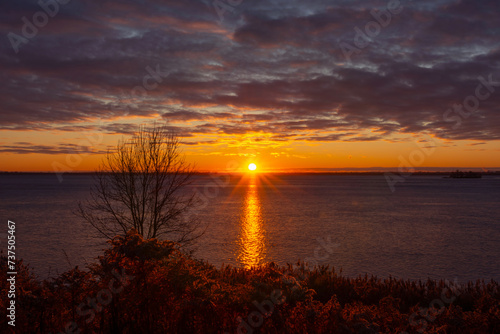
(269,66)
(29,148)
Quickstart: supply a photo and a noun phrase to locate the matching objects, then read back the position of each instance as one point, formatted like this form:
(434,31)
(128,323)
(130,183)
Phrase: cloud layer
(274,67)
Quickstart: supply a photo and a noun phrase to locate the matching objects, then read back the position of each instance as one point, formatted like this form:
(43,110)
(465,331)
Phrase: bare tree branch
(140,186)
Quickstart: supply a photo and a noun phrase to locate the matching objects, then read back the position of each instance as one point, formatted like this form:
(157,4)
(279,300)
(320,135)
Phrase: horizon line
(351,170)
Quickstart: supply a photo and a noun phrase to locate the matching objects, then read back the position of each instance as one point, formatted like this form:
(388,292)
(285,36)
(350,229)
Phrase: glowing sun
(252,167)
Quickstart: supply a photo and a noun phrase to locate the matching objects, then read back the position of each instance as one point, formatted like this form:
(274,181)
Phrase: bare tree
(140,186)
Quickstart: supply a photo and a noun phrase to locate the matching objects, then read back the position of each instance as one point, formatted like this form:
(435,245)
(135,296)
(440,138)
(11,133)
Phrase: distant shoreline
(490,172)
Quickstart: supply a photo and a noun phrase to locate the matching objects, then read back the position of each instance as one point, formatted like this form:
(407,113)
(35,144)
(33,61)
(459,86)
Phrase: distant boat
(465,175)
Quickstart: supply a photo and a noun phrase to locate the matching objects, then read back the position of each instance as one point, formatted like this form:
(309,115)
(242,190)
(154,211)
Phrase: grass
(147,286)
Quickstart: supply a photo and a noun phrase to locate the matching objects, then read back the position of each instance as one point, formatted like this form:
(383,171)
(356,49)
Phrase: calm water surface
(429,227)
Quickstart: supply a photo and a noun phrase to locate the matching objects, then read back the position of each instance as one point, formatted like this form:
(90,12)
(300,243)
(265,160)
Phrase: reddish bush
(148,286)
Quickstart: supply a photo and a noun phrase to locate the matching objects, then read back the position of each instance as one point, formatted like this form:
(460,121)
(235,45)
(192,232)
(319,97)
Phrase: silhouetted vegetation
(148,286)
(139,186)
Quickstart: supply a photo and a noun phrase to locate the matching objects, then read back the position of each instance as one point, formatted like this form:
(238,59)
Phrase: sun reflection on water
(252,240)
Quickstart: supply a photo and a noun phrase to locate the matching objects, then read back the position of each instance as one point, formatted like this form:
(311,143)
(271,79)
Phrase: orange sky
(223,152)
(288,87)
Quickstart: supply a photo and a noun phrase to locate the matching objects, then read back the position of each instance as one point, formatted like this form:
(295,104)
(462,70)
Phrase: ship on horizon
(465,175)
